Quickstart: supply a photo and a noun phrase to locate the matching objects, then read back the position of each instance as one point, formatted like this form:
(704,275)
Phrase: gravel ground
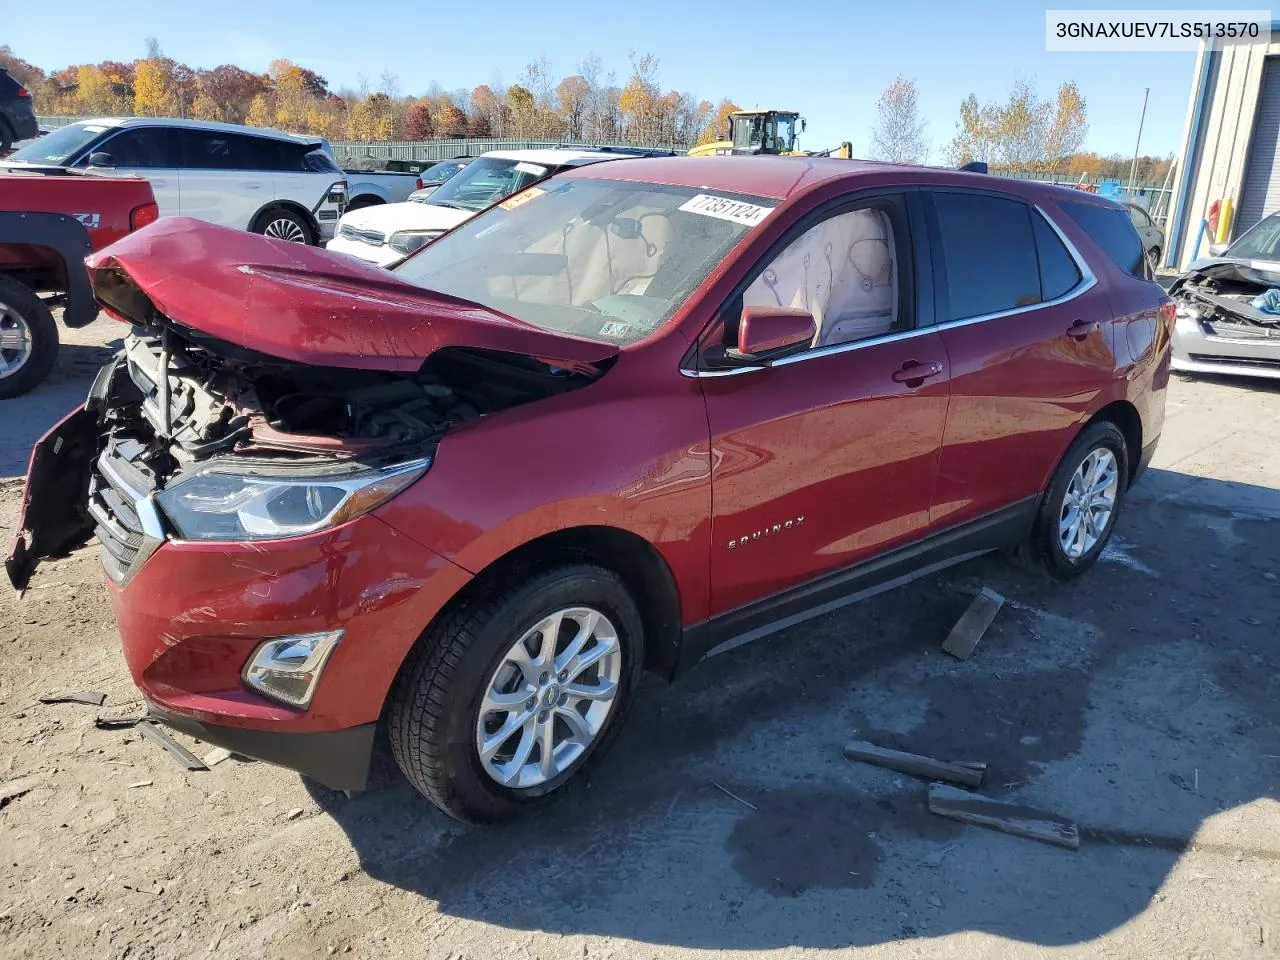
(1142,700)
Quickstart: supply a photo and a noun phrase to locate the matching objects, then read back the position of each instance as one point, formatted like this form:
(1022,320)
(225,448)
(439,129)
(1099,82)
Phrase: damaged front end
(185,436)
(1219,328)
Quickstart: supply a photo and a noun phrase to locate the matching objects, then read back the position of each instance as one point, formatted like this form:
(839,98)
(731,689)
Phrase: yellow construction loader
(765,131)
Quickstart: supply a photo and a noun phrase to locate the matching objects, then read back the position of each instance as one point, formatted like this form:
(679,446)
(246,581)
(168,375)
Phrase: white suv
(389,232)
(268,182)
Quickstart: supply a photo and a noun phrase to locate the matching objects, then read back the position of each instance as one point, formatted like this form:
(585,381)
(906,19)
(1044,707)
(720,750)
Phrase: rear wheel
(1153,261)
(283,224)
(1079,510)
(28,338)
(503,702)
(6,137)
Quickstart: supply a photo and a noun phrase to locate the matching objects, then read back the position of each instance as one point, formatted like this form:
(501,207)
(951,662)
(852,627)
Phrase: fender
(69,239)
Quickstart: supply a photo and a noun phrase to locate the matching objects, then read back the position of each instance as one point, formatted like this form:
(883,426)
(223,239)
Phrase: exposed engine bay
(199,401)
(187,436)
(1220,296)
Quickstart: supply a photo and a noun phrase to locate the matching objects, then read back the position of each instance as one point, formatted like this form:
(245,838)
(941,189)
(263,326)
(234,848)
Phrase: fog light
(288,668)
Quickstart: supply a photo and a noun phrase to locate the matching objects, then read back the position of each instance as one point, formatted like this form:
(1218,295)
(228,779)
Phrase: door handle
(913,373)
(1082,328)
(251,185)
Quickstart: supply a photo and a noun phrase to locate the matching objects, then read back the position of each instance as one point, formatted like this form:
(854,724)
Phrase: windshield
(439,172)
(601,259)
(769,134)
(60,145)
(1260,243)
(485,180)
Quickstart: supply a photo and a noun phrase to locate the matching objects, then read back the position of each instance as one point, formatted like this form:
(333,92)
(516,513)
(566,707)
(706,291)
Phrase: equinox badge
(766,532)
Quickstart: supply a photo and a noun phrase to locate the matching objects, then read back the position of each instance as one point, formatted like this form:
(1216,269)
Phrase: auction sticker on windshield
(523,196)
(722,208)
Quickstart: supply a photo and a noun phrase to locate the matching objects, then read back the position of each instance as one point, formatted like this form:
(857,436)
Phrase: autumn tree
(449,120)
(154,94)
(261,112)
(97,93)
(1024,132)
(231,89)
(417,125)
(574,96)
(370,118)
(976,136)
(1066,130)
(898,135)
(718,127)
(521,102)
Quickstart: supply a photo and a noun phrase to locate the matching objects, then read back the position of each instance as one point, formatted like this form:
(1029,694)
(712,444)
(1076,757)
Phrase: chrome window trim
(1086,283)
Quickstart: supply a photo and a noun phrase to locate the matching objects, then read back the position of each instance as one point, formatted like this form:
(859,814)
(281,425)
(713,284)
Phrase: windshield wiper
(446,203)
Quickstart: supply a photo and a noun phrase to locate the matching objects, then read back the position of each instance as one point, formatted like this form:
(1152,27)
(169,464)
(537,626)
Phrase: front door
(150,153)
(827,457)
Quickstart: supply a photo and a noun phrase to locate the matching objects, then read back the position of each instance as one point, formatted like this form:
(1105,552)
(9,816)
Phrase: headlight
(407,241)
(220,502)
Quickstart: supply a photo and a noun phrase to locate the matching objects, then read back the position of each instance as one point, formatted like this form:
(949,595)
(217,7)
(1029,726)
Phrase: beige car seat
(843,271)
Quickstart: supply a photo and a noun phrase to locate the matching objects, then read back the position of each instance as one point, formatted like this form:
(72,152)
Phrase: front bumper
(1200,347)
(192,614)
(382,254)
(339,759)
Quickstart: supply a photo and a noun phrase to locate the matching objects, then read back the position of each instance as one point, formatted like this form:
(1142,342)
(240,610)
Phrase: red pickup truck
(49,222)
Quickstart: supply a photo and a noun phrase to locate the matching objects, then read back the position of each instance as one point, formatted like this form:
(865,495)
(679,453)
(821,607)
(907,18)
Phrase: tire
(6,137)
(435,719)
(359,203)
(28,326)
(284,224)
(1044,550)
(1153,261)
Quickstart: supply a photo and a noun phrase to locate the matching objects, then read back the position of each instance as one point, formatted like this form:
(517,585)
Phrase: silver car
(1226,323)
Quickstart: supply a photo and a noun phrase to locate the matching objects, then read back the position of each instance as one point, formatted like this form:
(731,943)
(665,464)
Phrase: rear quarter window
(1058,270)
(1112,230)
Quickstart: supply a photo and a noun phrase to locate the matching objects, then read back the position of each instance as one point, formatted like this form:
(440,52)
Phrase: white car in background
(251,178)
(387,233)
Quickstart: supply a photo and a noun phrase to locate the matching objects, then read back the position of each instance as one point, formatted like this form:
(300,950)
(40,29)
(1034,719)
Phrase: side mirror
(770,333)
(100,158)
(1217,249)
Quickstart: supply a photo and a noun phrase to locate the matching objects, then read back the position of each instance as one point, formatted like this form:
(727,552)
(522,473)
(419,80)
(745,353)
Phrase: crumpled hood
(411,215)
(304,304)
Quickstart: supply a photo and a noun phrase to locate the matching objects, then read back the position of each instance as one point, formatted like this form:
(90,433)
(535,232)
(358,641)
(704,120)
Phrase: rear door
(151,153)
(1027,330)
(223,180)
(828,457)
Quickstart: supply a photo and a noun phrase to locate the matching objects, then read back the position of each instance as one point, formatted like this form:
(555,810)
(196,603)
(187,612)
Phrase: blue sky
(829,61)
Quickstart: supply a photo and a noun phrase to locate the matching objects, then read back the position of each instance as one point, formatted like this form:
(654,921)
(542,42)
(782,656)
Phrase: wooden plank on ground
(1011,818)
(964,636)
(914,764)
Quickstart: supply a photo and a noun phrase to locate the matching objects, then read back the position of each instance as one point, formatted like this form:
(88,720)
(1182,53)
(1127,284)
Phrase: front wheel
(502,703)
(282,224)
(1079,510)
(28,338)
(1153,261)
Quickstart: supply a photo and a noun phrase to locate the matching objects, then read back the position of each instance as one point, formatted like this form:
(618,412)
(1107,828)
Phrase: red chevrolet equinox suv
(630,417)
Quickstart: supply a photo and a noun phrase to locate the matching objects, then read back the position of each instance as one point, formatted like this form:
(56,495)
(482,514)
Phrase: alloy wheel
(550,698)
(1089,503)
(15,341)
(283,228)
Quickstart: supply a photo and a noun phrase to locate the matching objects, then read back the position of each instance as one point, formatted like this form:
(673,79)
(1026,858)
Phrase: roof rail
(974,166)
(629,151)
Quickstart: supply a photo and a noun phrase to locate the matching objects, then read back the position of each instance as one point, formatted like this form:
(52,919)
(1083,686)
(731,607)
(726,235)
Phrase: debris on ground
(727,792)
(153,732)
(90,698)
(965,773)
(16,788)
(964,636)
(294,814)
(1018,820)
(140,783)
(216,756)
(121,716)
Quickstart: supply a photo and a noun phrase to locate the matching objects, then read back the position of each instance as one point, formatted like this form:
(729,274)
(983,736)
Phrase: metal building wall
(1216,141)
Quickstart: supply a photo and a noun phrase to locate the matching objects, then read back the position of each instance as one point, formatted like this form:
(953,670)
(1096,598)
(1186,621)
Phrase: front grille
(1236,361)
(372,237)
(118,488)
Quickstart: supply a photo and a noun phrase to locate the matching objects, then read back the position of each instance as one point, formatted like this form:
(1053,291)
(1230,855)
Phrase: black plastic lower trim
(339,759)
(68,238)
(1001,528)
(1144,461)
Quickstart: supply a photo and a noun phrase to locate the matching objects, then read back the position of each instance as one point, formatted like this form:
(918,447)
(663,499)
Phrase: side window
(989,254)
(140,147)
(1111,229)
(1058,270)
(214,150)
(844,271)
